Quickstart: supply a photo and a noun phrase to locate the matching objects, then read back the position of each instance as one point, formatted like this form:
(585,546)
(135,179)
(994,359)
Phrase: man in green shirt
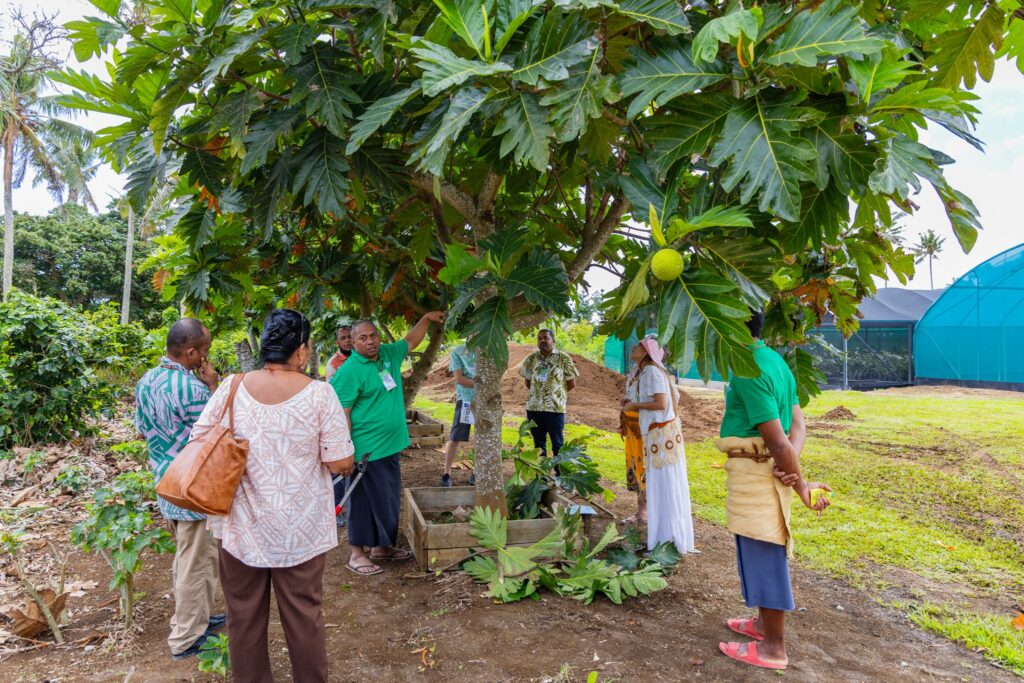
(369,386)
(763,433)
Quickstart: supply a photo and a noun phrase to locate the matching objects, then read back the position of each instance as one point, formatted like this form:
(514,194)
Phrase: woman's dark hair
(284,330)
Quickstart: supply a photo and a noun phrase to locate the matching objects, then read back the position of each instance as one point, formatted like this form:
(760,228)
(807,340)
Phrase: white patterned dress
(283,512)
(668,490)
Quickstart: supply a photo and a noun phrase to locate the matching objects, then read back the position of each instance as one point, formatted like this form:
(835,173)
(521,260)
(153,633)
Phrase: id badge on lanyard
(386,379)
(542,374)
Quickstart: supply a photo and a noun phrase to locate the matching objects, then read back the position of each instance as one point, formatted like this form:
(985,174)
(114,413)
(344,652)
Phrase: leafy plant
(214,657)
(631,553)
(72,478)
(120,527)
(32,462)
(534,476)
(563,562)
(137,451)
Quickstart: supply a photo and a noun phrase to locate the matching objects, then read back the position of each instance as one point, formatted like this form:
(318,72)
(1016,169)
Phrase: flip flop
(732,650)
(745,627)
(363,569)
(396,555)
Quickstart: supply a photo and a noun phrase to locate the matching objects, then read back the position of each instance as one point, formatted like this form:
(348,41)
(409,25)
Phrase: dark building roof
(890,304)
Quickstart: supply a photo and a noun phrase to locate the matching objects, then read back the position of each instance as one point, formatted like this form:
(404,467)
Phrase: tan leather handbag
(205,474)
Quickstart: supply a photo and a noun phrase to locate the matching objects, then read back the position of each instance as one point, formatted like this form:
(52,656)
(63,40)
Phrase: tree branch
(617,120)
(489,194)
(444,235)
(588,222)
(608,269)
(590,248)
(457,199)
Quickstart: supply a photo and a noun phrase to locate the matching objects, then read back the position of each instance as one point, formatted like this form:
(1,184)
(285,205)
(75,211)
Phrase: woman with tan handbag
(281,523)
(651,393)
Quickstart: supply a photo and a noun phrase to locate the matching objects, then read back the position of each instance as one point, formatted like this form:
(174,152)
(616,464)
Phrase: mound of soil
(839,414)
(595,400)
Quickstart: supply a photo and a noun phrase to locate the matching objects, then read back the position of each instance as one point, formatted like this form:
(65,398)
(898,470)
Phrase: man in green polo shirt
(369,386)
(763,433)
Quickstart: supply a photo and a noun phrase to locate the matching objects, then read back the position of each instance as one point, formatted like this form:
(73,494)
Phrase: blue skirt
(764,574)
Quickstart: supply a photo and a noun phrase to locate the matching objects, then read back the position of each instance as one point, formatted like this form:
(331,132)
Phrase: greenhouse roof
(898,305)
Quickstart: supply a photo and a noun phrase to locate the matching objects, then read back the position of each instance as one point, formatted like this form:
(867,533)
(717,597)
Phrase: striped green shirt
(168,401)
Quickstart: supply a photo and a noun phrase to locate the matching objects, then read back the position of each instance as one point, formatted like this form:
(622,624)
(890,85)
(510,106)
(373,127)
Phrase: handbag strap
(236,382)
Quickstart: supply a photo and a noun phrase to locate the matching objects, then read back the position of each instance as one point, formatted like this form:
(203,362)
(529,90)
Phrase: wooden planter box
(423,430)
(439,546)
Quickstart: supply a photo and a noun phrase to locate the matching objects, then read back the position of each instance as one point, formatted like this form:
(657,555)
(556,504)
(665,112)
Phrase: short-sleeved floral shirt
(548,377)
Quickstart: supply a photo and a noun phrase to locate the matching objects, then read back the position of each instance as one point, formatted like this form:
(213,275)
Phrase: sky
(992,179)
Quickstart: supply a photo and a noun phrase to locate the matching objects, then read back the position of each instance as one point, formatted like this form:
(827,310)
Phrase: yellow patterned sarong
(636,475)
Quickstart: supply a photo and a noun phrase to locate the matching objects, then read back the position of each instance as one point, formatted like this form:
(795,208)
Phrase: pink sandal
(732,650)
(745,627)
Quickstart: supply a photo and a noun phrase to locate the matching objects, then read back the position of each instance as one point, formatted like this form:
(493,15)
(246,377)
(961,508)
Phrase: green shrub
(125,346)
(137,451)
(214,657)
(222,353)
(33,461)
(72,478)
(51,360)
(120,527)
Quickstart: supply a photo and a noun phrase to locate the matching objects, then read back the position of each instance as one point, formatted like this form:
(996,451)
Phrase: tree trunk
(128,602)
(487,409)
(254,343)
(243,353)
(126,292)
(421,368)
(314,363)
(8,269)
(931,280)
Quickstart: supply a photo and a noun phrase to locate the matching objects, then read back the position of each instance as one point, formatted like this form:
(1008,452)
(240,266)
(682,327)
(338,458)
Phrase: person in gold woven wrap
(763,433)
(636,476)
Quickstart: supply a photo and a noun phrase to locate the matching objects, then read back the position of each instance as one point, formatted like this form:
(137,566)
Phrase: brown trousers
(299,592)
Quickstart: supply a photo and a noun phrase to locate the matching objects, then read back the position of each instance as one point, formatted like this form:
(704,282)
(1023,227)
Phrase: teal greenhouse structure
(967,337)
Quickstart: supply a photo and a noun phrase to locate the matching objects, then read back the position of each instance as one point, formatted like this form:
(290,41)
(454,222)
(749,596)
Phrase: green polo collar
(363,359)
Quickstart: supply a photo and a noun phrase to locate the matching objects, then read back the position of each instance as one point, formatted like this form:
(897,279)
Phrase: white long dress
(668,490)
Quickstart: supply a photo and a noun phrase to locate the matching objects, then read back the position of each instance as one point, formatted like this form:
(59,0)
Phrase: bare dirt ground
(404,626)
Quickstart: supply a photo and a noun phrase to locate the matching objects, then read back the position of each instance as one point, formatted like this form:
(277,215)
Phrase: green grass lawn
(927,513)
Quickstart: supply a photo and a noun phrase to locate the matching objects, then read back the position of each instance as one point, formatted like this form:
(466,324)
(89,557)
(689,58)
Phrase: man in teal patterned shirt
(168,401)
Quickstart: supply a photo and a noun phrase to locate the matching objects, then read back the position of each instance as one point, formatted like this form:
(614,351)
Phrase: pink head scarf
(656,353)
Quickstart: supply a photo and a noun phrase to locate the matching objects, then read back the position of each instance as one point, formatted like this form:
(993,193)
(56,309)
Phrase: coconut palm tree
(33,133)
(69,150)
(929,246)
